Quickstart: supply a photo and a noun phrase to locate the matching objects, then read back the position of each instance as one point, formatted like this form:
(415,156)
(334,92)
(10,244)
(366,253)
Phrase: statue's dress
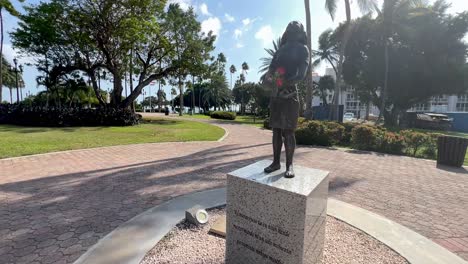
(284,103)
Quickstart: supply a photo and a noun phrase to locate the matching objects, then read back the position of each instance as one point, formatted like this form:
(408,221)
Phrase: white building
(438,104)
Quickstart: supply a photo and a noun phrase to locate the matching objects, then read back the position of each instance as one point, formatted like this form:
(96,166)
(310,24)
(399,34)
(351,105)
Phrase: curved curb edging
(414,247)
(129,243)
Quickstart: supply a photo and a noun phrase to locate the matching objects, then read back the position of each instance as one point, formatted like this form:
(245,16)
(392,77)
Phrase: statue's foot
(289,172)
(273,167)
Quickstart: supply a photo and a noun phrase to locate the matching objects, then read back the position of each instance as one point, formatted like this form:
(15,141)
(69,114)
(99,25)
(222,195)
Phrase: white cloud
(237,33)
(229,18)
(184,4)
(239,45)
(10,53)
(265,34)
(211,24)
(204,10)
(246,21)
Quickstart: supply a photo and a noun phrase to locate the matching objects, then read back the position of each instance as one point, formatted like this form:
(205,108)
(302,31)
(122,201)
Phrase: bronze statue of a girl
(288,67)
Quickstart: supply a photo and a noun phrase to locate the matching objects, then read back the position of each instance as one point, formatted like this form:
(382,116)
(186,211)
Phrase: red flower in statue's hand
(279,82)
(281,71)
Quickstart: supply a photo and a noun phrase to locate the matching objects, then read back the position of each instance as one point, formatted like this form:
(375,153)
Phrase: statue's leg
(290,146)
(277,145)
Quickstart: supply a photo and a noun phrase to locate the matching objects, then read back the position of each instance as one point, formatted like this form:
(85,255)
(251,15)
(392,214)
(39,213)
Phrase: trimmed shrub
(414,141)
(392,143)
(62,117)
(301,120)
(335,132)
(223,115)
(346,140)
(266,123)
(364,137)
(430,147)
(313,133)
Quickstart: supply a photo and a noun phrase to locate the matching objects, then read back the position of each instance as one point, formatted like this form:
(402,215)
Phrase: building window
(462,103)
(350,97)
(462,107)
(420,107)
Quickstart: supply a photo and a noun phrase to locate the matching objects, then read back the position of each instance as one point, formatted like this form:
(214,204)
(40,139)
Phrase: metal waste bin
(451,151)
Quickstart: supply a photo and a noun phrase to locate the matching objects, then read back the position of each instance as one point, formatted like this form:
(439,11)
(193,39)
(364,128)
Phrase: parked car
(348,117)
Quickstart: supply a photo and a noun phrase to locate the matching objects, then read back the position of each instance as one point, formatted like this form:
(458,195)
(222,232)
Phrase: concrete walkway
(53,207)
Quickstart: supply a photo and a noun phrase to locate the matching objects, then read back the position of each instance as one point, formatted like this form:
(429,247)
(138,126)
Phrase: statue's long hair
(294,33)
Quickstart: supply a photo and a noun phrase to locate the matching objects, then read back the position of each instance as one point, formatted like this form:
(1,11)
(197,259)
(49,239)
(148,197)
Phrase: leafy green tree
(190,49)
(428,58)
(90,36)
(390,15)
(327,50)
(242,93)
(150,101)
(331,6)
(8,6)
(259,104)
(325,86)
(9,78)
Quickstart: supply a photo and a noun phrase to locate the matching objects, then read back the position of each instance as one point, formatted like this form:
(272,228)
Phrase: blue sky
(244,28)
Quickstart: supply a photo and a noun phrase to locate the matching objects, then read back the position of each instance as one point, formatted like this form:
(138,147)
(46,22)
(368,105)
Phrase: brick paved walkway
(53,207)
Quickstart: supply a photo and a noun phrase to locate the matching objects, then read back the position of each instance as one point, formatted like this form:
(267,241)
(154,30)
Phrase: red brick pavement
(53,207)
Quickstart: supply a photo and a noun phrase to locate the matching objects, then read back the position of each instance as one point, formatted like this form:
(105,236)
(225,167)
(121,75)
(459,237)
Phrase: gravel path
(343,245)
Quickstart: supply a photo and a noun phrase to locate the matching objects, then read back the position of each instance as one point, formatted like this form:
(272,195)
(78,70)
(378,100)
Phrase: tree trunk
(116,98)
(17,86)
(339,73)
(181,97)
(384,90)
(1,54)
(11,96)
(132,105)
(309,80)
(193,94)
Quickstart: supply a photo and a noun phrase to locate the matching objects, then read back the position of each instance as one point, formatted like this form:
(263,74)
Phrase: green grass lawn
(19,141)
(248,120)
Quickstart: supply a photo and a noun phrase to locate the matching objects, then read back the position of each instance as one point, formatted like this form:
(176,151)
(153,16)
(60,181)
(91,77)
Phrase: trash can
(451,151)
(166,111)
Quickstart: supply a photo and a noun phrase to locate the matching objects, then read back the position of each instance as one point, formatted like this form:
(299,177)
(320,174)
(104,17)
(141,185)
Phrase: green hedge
(366,137)
(223,115)
(65,117)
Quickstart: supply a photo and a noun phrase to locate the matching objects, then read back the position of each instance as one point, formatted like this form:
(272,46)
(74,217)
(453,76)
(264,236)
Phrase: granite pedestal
(271,219)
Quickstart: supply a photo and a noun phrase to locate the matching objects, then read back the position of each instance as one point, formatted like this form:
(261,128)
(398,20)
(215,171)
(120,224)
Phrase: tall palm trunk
(193,94)
(309,80)
(1,54)
(131,79)
(339,72)
(385,87)
(181,101)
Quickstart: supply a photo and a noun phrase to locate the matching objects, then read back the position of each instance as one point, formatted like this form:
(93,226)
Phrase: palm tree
(309,80)
(390,10)
(331,6)
(327,50)
(233,70)
(8,6)
(245,68)
(266,61)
